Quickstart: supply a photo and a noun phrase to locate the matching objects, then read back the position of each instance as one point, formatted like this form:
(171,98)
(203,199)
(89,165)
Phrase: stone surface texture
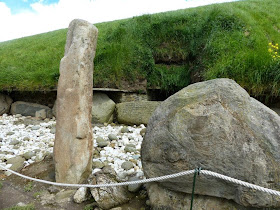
(54,109)
(162,198)
(109,197)
(102,108)
(81,195)
(30,109)
(215,125)
(17,163)
(135,113)
(5,103)
(73,146)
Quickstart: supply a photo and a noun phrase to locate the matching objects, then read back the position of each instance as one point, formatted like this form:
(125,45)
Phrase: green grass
(171,50)
(28,187)
(27,207)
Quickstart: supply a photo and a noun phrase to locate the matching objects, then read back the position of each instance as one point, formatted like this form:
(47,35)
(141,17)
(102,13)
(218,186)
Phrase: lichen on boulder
(215,125)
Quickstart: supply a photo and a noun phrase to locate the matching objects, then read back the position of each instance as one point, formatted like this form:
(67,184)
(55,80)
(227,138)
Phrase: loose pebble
(125,130)
(112,137)
(35,127)
(127,165)
(10,133)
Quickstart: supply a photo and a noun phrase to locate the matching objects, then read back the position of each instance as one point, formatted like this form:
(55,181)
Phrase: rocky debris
(134,187)
(143,131)
(135,113)
(53,130)
(35,127)
(125,129)
(56,199)
(29,109)
(73,139)
(17,163)
(29,155)
(53,189)
(97,164)
(102,108)
(81,195)
(130,148)
(101,142)
(215,125)
(127,165)
(54,109)
(10,133)
(41,142)
(23,139)
(26,138)
(14,142)
(64,196)
(41,114)
(109,197)
(47,198)
(5,104)
(112,137)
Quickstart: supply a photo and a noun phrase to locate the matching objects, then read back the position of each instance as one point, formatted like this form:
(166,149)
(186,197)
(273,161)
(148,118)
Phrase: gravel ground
(32,140)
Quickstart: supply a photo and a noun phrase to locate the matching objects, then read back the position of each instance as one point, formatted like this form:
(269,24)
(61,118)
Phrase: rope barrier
(142,181)
(239,182)
(184,173)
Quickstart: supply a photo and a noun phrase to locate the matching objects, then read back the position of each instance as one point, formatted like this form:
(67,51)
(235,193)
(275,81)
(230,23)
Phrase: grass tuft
(170,50)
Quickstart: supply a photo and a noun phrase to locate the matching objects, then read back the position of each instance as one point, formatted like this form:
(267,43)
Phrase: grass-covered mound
(170,50)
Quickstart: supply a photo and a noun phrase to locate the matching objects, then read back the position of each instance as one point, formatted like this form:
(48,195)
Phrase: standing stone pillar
(73,147)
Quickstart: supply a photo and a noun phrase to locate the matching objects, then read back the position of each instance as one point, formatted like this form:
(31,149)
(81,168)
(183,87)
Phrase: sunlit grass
(170,50)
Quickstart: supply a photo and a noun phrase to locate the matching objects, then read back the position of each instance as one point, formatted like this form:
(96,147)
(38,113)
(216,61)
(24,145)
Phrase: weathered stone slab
(102,108)
(109,197)
(17,163)
(135,113)
(5,104)
(215,125)
(73,146)
(30,109)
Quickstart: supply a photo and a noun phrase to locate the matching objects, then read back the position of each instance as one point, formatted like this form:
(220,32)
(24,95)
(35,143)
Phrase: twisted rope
(239,182)
(183,173)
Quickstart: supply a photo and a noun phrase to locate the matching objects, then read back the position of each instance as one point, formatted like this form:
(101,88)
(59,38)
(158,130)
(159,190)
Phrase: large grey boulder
(136,112)
(102,108)
(73,147)
(30,109)
(215,125)
(5,103)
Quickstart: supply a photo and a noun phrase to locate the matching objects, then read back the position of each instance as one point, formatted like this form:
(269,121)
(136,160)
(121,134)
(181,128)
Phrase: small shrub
(28,187)
(89,207)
